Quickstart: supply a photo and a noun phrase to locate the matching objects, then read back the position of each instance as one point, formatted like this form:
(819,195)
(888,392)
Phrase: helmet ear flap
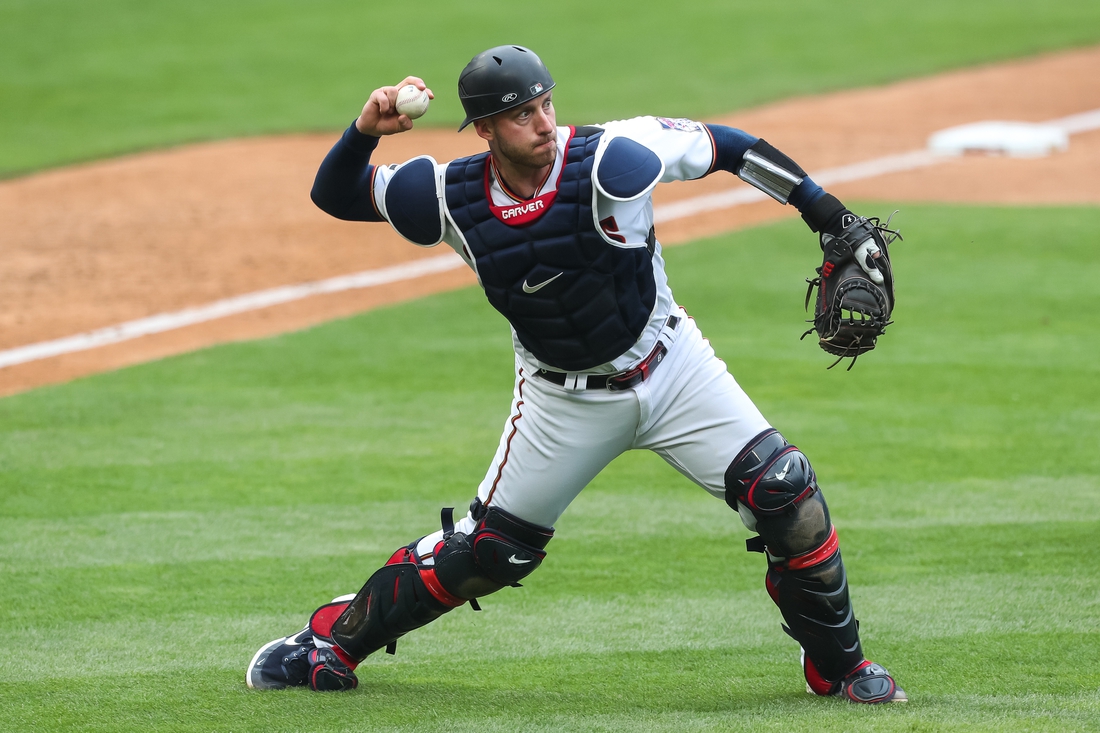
(499,79)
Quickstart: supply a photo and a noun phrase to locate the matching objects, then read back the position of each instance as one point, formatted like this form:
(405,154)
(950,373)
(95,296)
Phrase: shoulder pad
(413,206)
(625,169)
(587,130)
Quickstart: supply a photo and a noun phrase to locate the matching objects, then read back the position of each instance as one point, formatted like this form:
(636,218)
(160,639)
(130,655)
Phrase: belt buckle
(625,380)
(628,379)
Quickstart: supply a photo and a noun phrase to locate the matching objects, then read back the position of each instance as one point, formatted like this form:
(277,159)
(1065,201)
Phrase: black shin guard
(393,602)
(772,485)
(407,593)
(814,602)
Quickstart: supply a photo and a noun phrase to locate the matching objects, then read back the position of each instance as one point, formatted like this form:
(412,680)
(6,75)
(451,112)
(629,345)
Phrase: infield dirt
(103,243)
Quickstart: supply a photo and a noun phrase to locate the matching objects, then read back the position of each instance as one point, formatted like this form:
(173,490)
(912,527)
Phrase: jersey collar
(514,211)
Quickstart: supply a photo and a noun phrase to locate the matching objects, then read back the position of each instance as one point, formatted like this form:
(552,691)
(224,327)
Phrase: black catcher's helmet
(500,79)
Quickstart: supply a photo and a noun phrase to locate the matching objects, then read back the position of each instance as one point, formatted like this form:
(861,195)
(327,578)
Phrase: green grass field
(159,523)
(81,80)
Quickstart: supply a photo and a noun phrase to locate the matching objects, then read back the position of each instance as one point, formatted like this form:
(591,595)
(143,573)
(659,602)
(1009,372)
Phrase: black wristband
(825,214)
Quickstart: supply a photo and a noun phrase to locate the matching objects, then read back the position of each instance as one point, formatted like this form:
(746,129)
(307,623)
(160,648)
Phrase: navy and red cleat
(297,661)
(281,663)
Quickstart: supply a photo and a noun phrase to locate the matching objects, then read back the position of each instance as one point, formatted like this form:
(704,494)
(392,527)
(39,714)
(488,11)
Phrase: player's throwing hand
(380,115)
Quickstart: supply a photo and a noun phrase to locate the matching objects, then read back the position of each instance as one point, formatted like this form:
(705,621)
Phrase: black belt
(621,380)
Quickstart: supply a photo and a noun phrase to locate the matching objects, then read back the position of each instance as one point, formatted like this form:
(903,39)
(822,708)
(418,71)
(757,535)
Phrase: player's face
(527,135)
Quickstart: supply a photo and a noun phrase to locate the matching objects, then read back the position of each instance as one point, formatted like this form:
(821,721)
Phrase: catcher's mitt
(853,307)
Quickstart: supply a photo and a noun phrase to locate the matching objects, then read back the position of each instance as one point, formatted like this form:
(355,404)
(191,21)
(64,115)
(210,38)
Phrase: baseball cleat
(281,663)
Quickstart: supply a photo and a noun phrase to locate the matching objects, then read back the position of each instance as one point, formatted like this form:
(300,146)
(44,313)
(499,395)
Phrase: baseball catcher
(557,223)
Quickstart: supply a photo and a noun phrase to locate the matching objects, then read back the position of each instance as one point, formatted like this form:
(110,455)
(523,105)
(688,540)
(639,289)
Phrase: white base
(1016,139)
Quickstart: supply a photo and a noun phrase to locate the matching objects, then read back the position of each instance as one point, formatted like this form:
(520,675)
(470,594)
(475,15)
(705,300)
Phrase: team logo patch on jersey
(679,123)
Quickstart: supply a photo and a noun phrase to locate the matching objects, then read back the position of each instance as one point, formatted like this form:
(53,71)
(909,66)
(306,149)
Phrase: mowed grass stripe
(513,630)
(159,523)
(707,691)
(244,534)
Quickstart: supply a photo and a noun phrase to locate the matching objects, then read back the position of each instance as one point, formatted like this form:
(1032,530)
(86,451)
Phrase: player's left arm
(760,164)
(768,169)
(689,150)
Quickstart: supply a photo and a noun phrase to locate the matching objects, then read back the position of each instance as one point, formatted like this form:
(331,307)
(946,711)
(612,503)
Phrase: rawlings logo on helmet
(509,97)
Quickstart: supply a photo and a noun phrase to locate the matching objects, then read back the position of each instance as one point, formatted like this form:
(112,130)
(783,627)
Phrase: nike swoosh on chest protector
(534,288)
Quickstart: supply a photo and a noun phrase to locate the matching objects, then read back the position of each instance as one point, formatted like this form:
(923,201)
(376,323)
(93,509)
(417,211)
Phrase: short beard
(525,157)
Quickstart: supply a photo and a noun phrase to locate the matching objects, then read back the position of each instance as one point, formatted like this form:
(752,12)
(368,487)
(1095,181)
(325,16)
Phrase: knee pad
(501,551)
(773,487)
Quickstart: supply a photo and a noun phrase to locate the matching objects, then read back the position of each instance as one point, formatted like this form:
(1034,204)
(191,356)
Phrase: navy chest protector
(574,300)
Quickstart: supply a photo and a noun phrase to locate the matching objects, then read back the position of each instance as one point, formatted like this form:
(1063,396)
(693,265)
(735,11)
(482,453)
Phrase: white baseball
(412,101)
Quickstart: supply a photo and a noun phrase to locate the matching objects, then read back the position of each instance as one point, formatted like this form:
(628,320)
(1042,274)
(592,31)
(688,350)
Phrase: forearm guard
(770,171)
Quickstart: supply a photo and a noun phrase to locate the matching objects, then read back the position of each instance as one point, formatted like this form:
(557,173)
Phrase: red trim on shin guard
(320,624)
(345,657)
(822,686)
(427,574)
(814,557)
(818,684)
(772,590)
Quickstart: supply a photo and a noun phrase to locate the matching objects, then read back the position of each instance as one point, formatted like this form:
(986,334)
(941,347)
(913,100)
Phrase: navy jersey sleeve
(344,182)
(730,146)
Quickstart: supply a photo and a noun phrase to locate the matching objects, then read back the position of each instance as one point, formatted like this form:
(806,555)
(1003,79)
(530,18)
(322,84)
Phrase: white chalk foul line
(912,160)
(228,307)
